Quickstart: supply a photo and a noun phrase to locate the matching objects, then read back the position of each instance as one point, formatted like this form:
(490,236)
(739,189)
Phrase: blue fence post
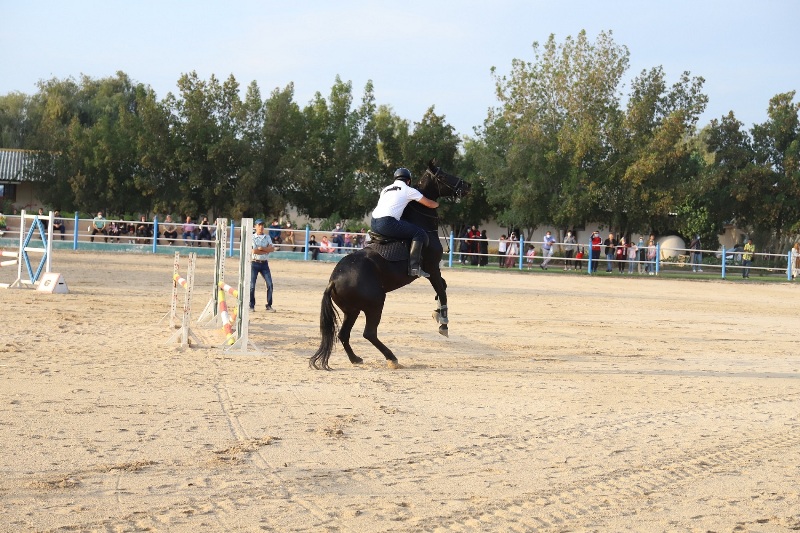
(658,258)
(155,234)
(233,229)
(521,250)
(450,259)
(589,257)
(308,236)
(723,262)
(75,232)
(789,265)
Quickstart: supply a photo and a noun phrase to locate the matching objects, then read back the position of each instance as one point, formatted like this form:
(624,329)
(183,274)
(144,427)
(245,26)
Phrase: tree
(553,125)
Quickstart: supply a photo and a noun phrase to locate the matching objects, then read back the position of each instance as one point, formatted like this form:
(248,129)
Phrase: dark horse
(360,281)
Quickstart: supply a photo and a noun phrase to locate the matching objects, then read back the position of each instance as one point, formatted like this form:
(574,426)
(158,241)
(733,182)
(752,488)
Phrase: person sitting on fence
(288,237)
(326,247)
(170,230)
(275,232)
(189,228)
(114,231)
(99,225)
(143,231)
(205,232)
(58,223)
(313,248)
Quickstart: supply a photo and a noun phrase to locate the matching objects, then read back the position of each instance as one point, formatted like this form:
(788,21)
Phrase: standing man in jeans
(259,264)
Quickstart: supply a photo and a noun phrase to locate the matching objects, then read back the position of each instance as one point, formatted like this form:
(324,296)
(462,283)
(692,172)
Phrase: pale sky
(418,53)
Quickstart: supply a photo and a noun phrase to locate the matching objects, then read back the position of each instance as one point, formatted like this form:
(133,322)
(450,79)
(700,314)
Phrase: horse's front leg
(440,313)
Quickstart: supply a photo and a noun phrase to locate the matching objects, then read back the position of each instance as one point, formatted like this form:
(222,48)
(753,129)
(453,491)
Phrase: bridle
(457,189)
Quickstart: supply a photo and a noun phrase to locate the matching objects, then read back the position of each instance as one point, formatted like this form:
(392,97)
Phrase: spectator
(472,244)
(483,249)
(3,224)
(43,220)
(501,250)
(747,258)
(204,232)
(325,246)
(594,252)
(621,254)
(696,254)
(189,234)
(610,247)
(633,253)
(579,258)
(348,243)
(642,266)
(288,236)
(463,248)
(131,231)
(170,230)
(99,225)
(547,249)
(570,243)
(795,254)
(313,248)
(259,264)
(275,232)
(143,231)
(113,230)
(58,223)
(530,256)
(512,251)
(652,250)
(337,236)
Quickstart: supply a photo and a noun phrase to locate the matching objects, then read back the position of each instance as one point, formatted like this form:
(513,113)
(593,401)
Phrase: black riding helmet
(403,174)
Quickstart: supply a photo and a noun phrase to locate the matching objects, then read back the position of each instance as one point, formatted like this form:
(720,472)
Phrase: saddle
(390,248)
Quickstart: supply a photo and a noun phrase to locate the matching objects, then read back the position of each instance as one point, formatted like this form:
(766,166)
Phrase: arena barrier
(184,336)
(22,257)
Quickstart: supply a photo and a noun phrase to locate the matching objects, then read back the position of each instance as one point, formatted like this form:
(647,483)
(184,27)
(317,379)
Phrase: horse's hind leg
(371,334)
(344,336)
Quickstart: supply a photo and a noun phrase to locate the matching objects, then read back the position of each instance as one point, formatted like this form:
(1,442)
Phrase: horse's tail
(328,328)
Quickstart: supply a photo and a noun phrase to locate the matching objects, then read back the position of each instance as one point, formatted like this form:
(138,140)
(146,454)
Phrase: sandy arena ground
(559,403)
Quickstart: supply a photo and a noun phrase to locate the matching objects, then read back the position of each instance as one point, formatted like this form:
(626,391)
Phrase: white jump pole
(243,344)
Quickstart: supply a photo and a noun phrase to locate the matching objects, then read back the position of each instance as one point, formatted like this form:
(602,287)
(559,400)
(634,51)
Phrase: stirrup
(418,273)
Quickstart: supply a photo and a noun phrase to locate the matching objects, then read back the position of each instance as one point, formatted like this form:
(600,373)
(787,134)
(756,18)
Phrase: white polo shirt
(394,200)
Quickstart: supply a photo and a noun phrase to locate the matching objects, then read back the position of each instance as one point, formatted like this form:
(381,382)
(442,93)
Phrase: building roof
(12,164)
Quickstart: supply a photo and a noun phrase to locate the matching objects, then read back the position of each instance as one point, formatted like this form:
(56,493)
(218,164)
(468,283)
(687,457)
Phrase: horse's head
(436,183)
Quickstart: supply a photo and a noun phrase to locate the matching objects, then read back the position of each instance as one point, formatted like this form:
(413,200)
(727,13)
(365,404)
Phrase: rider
(386,217)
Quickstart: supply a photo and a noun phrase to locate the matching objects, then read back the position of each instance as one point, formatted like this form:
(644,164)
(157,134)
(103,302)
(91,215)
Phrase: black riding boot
(414,258)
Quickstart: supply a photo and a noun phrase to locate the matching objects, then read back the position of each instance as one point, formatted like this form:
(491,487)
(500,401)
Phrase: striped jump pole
(210,315)
(184,336)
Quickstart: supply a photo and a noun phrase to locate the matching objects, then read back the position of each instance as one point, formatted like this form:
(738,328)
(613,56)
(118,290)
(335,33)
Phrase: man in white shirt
(259,264)
(386,217)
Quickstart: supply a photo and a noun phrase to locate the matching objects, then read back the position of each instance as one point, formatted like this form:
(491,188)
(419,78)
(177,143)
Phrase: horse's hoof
(444,331)
(357,361)
(394,365)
